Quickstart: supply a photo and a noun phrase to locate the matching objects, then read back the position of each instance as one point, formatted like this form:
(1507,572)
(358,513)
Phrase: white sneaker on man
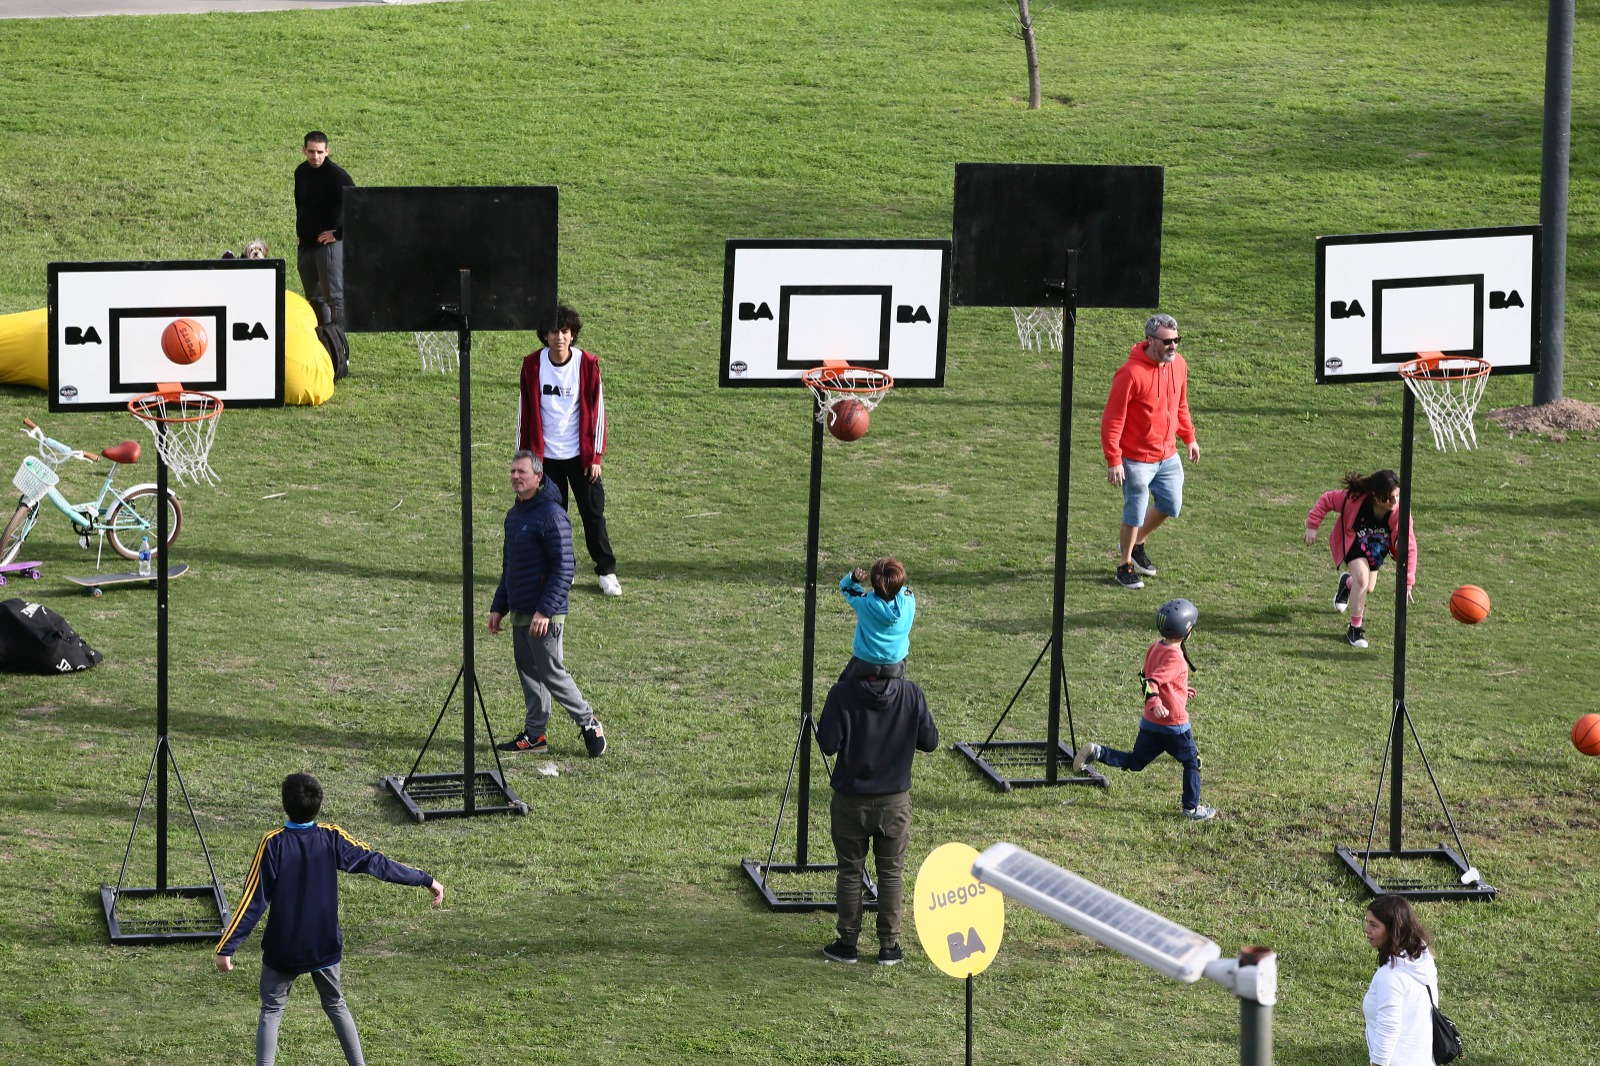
(610,585)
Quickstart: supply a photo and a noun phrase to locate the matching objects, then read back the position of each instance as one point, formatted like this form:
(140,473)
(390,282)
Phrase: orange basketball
(184,340)
(1586,734)
(1469,604)
(849,420)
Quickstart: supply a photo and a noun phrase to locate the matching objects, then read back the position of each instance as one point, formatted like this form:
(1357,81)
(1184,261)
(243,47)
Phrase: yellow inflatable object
(307,370)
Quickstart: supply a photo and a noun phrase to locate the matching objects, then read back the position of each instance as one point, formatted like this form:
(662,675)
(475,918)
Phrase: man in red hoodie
(1148,410)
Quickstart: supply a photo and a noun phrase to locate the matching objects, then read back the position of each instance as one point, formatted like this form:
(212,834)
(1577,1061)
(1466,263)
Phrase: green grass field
(321,629)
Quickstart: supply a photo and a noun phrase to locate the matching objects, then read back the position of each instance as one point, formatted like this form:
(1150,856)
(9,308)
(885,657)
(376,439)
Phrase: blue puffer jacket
(536,565)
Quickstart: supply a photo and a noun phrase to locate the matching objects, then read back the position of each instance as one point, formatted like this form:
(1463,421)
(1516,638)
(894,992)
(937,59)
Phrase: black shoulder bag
(1446,1038)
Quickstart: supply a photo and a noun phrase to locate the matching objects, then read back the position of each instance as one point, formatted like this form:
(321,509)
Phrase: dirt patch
(1554,420)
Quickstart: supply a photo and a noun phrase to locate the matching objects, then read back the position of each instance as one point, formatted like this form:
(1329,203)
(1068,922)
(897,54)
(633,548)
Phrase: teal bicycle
(124,517)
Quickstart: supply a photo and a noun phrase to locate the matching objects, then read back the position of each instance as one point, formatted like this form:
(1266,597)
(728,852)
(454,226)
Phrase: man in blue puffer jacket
(535,574)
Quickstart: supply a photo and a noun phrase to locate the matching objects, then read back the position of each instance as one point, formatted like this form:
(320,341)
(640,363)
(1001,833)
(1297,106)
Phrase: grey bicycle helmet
(1176,618)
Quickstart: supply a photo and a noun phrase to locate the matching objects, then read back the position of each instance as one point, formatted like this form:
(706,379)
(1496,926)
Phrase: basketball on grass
(184,340)
(849,420)
(1586,734)
(1469,604)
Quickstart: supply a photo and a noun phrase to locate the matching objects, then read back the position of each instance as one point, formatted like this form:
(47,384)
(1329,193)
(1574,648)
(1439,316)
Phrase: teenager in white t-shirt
(561,417)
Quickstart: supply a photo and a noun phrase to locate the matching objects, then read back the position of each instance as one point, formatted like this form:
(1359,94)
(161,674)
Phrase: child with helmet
(1165,725)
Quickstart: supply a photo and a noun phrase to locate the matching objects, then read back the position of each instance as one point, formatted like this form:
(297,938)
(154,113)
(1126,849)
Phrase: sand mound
(1555,420)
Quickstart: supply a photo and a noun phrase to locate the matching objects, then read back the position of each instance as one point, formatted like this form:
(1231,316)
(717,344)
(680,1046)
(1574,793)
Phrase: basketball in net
(1469,604)
(184,341)
(1586,734)
(184,424)
(846,397)
(849,420)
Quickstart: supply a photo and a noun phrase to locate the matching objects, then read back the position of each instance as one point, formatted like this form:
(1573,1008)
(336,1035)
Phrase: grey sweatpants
(544,676)
(275,996)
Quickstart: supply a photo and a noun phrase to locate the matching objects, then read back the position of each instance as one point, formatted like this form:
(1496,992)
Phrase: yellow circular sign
(959,921)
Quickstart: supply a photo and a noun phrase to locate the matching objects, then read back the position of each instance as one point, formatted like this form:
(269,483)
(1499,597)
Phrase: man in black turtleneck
(319,185)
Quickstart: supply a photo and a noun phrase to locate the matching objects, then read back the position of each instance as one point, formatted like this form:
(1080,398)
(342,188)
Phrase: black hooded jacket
(875,726)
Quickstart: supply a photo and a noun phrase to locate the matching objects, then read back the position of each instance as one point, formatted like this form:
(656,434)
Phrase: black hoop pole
(469,668)
(1069,324)
(1402,558)
(161,654)
(808,660)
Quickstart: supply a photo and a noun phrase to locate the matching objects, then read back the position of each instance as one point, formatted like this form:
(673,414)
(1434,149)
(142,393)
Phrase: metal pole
(1401,554)
(1069,322)
(1554,167)
(1255,1008)
(809,648)
(469,777)
(969,1019)
(160,556)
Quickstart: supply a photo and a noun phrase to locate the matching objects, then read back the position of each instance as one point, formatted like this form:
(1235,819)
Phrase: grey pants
(275,995)
(884,824)
(322,277)
(544,676)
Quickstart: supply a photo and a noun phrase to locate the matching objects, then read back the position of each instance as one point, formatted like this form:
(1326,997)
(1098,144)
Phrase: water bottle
(144,557)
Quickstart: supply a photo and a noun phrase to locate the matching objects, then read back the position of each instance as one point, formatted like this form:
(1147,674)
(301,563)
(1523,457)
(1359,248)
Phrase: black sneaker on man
(840,951)
(523,742)
(1142,563)
(890,955)
(1341,598)
(1127,578)
(1357,636)
(594,738)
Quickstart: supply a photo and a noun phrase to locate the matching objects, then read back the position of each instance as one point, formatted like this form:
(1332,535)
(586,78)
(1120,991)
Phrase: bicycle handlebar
(66,451)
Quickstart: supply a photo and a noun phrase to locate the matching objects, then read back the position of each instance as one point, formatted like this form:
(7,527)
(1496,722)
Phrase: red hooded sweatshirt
(1147,410)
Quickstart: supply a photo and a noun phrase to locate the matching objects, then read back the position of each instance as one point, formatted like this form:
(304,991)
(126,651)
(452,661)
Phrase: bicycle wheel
(134,518)
(17,531)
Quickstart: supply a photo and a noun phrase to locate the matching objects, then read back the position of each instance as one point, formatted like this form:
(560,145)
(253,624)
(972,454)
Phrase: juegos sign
(960,920)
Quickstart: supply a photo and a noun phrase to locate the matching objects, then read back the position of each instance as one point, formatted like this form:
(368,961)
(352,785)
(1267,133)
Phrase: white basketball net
(832,385)
(438,352)
(183,424)
(1035,325)
(1448,388)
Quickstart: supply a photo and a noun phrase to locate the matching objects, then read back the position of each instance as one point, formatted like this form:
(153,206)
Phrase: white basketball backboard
(789,306)
(106,321)
(1384,297)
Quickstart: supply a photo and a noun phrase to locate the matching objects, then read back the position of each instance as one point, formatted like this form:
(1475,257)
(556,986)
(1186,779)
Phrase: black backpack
(36,640)
(331,334)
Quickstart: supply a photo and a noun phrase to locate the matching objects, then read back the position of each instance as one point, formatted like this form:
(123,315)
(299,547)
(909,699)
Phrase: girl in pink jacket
(1367,531)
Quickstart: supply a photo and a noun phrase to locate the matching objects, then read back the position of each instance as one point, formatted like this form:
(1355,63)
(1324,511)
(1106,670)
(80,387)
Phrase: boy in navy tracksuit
(295,873)
(884,613)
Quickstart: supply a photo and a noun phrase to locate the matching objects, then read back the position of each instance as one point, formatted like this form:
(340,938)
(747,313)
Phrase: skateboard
(94,585)
(21,570)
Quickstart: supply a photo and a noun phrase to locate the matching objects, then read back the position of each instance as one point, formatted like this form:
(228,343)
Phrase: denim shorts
(1141,481)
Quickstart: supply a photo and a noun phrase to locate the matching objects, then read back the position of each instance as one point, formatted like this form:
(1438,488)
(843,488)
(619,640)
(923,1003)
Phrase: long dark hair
(1379,483)
(1405,937)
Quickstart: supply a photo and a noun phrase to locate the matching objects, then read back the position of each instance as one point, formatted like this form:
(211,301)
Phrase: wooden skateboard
(20,570)
(94,585)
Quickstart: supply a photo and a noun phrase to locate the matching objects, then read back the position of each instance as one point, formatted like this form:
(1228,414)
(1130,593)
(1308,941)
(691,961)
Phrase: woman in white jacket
(1403,991)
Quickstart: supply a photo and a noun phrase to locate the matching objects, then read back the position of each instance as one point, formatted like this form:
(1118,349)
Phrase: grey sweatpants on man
(275,995)
(544,675)
(322,276)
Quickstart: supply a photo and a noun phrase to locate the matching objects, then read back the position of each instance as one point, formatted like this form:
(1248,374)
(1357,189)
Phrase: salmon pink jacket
(1148,408)
(1348,505)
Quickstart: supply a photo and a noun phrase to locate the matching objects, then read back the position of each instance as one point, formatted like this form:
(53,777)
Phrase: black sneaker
(1341,598)
(1142,563)
(890,955)
(1357,636)
(594,738)
(1127,578)
(523,742)
(840,951)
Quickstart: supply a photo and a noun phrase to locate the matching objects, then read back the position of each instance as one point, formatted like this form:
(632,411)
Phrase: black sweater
(319,201)
(875,726)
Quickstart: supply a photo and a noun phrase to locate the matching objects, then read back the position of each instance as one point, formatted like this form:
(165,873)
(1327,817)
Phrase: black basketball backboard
(1015,222)
(405,249)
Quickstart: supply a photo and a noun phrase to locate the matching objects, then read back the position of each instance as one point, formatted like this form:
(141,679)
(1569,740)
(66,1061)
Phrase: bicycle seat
(126,452)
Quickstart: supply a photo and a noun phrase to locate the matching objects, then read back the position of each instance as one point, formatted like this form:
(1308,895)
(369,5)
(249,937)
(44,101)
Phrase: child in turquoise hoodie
(884,613)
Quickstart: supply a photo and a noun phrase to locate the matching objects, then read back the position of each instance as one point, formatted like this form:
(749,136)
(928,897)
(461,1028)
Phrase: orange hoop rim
(1430,368)
(831,379)
(140,406)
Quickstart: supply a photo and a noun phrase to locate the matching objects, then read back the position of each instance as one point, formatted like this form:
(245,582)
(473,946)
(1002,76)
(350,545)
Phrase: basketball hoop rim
(1428,368)
(829,378)
(140,405)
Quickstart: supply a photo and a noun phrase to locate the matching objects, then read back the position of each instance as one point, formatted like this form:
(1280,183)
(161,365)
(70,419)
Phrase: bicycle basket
(33,480)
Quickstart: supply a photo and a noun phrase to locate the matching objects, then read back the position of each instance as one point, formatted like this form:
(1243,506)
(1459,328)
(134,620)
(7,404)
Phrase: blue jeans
(1153,742)
(322,276)
(1141,481)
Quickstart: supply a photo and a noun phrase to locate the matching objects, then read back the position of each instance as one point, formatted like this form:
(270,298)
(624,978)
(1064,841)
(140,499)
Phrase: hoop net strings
(184,426)
(852,383)
(1449,393)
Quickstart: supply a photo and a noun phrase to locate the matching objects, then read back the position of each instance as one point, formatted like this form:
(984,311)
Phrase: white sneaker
(1201,813)
(1086,755)
(610,585)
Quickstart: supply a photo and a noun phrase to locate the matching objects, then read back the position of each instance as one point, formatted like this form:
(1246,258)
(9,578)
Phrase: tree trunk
(1026,21)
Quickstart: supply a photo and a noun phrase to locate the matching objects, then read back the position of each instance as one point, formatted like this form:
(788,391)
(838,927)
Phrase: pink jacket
(1348,505)
(1165,665)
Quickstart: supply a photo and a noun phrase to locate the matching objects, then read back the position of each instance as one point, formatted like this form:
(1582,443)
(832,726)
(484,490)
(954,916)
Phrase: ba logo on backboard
(78,335)
(749,312)
(907,313)
(243,331)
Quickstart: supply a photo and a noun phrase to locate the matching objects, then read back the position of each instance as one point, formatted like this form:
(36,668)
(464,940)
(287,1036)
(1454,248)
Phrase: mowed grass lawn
(321,628)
